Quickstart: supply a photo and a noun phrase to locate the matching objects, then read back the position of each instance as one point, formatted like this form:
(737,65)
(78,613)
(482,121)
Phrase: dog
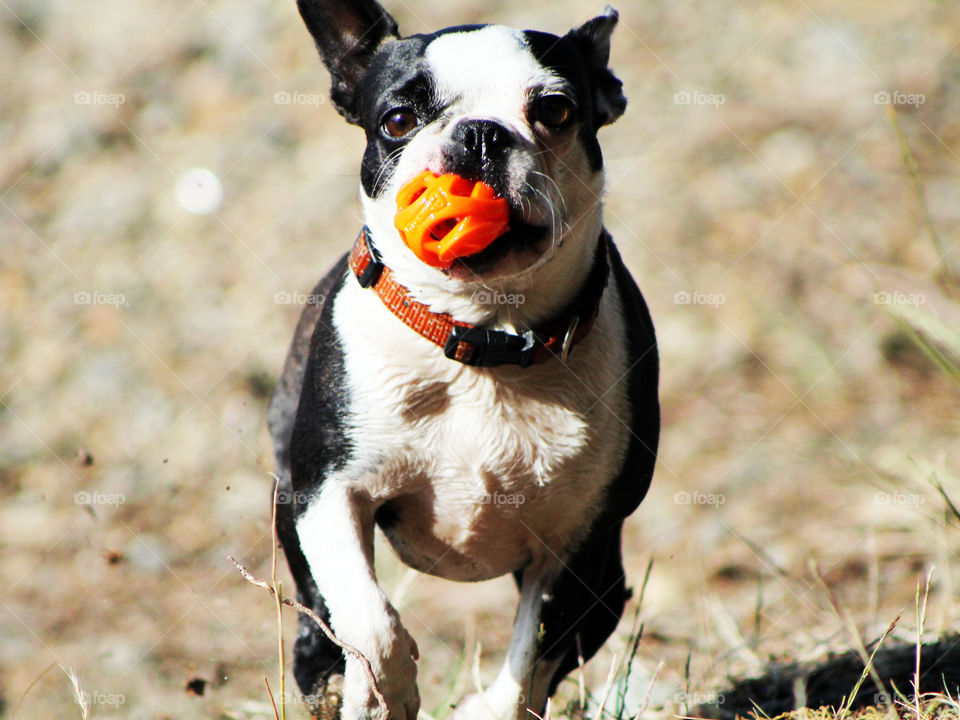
(496,416)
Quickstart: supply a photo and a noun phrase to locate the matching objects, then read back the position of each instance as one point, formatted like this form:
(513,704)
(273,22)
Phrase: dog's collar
(477,346)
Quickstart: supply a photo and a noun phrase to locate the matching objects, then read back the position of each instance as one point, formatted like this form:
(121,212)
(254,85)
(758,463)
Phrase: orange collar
(477,346)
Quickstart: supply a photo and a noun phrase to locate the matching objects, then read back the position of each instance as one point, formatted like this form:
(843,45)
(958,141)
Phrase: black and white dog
(498,416)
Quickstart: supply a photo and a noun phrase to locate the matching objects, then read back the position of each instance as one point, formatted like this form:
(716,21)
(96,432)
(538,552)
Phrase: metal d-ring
(568,338)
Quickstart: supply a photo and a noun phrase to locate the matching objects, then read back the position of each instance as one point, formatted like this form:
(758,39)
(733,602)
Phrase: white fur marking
(509,697)
(547,438)
(336,535)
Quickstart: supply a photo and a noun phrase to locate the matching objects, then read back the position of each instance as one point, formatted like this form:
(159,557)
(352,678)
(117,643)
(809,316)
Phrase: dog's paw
(393,662)
(473,707)
(479,707)
(491,705)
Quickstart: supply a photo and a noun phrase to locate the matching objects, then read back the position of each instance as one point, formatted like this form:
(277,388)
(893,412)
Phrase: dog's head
(518,110)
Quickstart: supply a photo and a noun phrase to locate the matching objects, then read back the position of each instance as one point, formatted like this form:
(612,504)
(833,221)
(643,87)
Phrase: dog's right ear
(593,40)
(347,33)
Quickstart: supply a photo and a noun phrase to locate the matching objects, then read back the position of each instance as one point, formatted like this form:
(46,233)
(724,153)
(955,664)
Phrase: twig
(758,711)
(272,700)
(607,685)
(634,644)
(277,595)
(79,694)
(649,695)
(859,646)
(800,697)
(48,668)
(475,669)
(301,608)
(633,641)
(757,615)
(921,621)
(867,670)
(913,168)
(478,681)
(935,481)
(580,676)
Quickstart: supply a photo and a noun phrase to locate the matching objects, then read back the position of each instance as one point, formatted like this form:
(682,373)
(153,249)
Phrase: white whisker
(387,163)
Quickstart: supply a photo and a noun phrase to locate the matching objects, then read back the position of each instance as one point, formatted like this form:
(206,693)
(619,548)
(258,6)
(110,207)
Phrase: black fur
(563,57)
(347,34)
(304,419)
(592,40)
(588,597)
(628,489)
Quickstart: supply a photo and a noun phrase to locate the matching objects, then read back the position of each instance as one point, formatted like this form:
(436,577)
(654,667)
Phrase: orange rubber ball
(442,218)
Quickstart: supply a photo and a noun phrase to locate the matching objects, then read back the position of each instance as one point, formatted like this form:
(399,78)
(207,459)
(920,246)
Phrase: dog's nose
(482,139)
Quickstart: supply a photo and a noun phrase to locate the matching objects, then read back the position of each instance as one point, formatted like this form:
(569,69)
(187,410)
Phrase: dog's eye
(555,111)
(399,122)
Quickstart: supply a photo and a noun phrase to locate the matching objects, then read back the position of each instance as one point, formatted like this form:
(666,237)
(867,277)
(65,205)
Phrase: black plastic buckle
(491,347)
(371,273)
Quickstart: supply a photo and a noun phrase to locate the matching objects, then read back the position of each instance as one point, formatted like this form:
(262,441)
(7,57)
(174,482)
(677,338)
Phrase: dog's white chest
(480,472)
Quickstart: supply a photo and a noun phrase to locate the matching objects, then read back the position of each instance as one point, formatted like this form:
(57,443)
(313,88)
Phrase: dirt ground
(758,190)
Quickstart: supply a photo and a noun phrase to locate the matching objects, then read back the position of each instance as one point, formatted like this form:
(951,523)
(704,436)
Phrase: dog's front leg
(581,598)
(336,534)
(524,681)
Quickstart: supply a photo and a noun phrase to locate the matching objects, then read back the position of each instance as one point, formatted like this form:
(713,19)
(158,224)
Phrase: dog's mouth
(522,238)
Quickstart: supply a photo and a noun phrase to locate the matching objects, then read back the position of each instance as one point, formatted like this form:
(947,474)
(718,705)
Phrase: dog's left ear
(592,39)
(347,34)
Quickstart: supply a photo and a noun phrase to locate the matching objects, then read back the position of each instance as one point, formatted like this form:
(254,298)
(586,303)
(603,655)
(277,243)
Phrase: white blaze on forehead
(487,72)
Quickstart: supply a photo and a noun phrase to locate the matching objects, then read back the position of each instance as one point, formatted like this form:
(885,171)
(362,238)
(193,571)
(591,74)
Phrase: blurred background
(785,186)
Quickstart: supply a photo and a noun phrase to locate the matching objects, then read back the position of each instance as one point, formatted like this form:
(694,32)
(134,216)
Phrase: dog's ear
(592,39)
(347,34)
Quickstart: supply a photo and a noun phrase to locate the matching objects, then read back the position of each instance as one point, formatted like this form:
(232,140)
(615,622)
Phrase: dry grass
(810,457)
